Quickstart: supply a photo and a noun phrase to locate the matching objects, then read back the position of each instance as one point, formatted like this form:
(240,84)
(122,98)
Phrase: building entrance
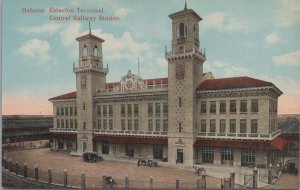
(105,147)
(179,156)
(157,151)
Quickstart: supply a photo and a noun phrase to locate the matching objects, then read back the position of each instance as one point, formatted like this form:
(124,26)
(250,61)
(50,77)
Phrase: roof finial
(90,27)
(185,6)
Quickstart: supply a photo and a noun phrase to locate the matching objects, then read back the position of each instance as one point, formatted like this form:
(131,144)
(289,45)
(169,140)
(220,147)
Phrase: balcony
(248,136)
(63,130)
(186,52)
(132,133)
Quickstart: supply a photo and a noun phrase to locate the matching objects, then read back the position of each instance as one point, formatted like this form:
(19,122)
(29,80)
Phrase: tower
(90,76)
(185,68)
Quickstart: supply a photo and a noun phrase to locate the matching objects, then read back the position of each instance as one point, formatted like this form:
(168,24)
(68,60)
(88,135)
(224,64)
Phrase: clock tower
(90,76)
(185,68)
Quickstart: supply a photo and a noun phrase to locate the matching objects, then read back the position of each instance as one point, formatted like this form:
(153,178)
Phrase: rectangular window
(212,108)
(243,126)
(123,110)
(150,125)
(105,124)
(67,111)
(99,109)
(165,125)
(179,101)
(71,110)
(180,127)
(110,110)
(254,106)
(243,108)
(203,107)
(99,124)
(129,125)
(165,107)
(226,153)
(232,106)
(111,125)
(203,125)
(58,123)
(157,125)
(136,124)
(150,108)
(212,126)
(83,106)
(222,126)
(123,124)
(75,110)
(62,123)
(67,123)
(71,123)
(62,111)
(254,125)
(104,110)
(223,107)
(57,111)
(129,110)
(232,126)
(75,123)
(157,108)
(136,109)
(248,157)
(207,155)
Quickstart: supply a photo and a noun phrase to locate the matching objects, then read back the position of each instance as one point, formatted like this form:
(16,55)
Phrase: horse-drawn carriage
(110,181)
(147,162)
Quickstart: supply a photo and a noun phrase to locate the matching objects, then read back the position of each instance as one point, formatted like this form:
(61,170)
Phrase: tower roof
(90,35)
(185,12)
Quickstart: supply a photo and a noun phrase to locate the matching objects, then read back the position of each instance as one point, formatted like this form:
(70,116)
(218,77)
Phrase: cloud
(49,28)
(121,12)
(290,59)
(288,12)
(228,70)
(273,38)
(226,22)
(36,48)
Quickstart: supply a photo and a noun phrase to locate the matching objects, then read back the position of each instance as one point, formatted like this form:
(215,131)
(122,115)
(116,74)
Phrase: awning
(291,137)
(276,144)
(63,135)
(131,140)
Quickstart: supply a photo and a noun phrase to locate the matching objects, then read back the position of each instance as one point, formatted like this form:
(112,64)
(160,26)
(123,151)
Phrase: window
(180,128)
(181,30)
(254,125)
(129,110)
(212,107)
(232,126)
(84,125)
(99,110)
(71,110)
(243,108)
(99,124)
(222,126)
(85,50)
(71,123)
(104,124)
(136,109)
(179,101)
(243,126)
(96,52)
(111,124)
(62,111)
(165,107)
(212,125)
(58,123)
(67,123)
(123,125)
(129,125)
(83,105)
(157,125)
(150,125)
(66,111)
(104,110)
(207,155)
(136,124)
(123,110)
(75,123)
(248,157)
(110,110)
(227,153)
(165,123)
(203,107)
(254,106)
(232,106)
(57,111)
(222,107)
(203,125)
(157,108)
(150,108)
(62,123)
(75,111)
(129,150)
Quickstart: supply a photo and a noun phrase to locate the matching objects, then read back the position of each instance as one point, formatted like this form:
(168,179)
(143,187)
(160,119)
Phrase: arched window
(85,50)
(96,51)
(181,30)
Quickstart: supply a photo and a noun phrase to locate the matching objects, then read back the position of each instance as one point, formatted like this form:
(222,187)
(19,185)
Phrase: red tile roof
(276,144)
(156,81)
(132,140)
(71,95)
(231,83)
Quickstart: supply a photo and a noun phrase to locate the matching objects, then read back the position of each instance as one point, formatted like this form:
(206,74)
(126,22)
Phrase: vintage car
(91,157)
(291,166)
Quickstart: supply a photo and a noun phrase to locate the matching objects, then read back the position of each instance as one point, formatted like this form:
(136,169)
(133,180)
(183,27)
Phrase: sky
(257,38)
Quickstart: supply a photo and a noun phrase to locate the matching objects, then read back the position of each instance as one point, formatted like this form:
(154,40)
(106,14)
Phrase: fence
(26,145)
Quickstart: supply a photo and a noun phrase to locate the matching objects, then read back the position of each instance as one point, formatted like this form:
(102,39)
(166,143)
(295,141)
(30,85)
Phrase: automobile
(291,166)
(91,157)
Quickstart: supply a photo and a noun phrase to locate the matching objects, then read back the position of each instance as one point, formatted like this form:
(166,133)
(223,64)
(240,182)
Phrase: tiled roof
(232,83)
(71,95)
(156,81)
